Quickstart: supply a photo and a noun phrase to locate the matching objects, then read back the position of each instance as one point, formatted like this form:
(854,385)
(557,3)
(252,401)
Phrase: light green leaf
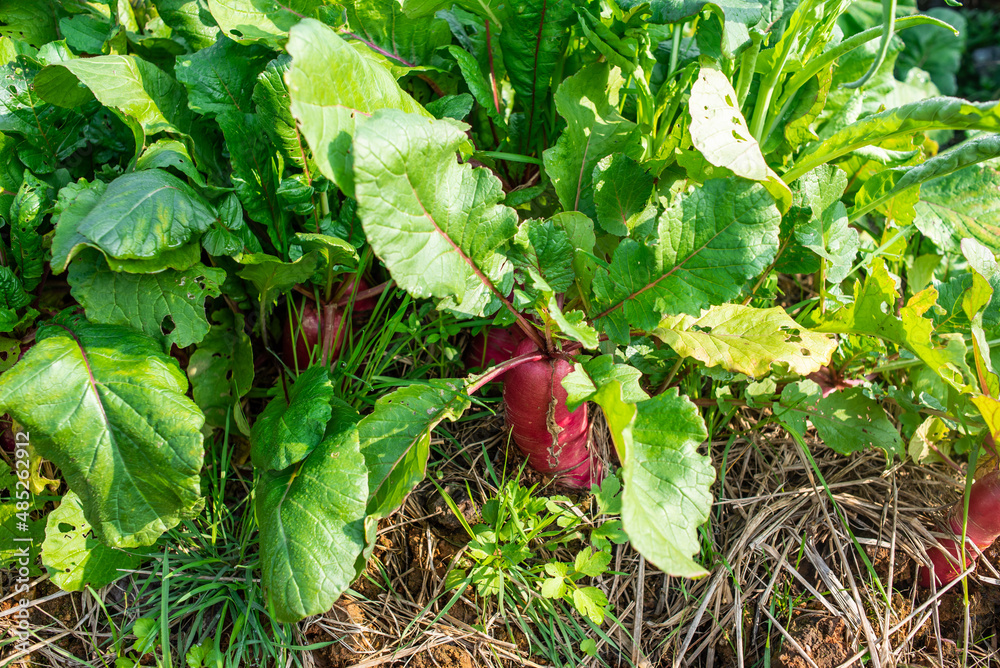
(542,250)
(331,83)
(396,438)
(169,305)
(554,587)
(887,184)
(221,370)
(411,41)
(712,240)
(592,563)
(827,233)
(939,113)
(582,382)
(272,277)
(20,537)
(106,406)
(334,251)
(718,128)
(961,205)
(747,340)
(437,225)
(667,493)
(133,86)
(267,21)
(588,101)
(871,313)
(572,324)
(293,423)
(311,519)
(191,20)
(621,191)
(74,559)
(590,602)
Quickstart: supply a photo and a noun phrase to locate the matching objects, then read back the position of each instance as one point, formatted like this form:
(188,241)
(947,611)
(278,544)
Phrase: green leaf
(588,101)
(230,235)
(222,77)
(542,250)
(872,312)
(272,277)
(582,382)
(554,587)
(477,83)
(412,41)
(961,205)
(135,87)
(221,370)
(51,134)
(31,21)
(293,423)
(255,172)
(887,184)
(621,190)
(170,153)
(939,113)
(144,214)
(396,438)
(848,421)
(712,240)
(334,251)
(668,483)
(191,20)
(30,202)
(533,41)
(331,83)
(249,21)
(590,602)
(592,564)
(827,233)
(169,305)
(436,224)
(74,559)
(106,406)
(451,106)
(273,101)
(747,340)
(311,519)
(19,539)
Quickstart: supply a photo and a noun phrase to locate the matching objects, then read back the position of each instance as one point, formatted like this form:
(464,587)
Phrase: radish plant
(638,194)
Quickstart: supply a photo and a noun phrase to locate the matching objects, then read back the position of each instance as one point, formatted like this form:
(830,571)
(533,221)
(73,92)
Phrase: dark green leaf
(293,423)
(221,78)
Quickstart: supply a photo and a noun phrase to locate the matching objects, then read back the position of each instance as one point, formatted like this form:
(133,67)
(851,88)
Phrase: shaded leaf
(293,423)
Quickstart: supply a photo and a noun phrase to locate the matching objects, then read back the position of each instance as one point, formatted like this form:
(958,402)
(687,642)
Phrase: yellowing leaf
(747,340)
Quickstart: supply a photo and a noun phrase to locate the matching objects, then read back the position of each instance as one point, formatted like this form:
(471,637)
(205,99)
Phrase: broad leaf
(293,423)
(106,406)
(532,42)
(221,370)
(273,102)
(848,421)
(747,340)
(189,19)
(712,239)
(221,78)
(272,277)
(939,113)
(436,224)
(962,205)
(31,21)
(887,184)
(133,86)
(582,382)
(411,41)
(168,305)
(718,128)
(13,529)
(594,130)
(140,215)
(396,438)
(667,493)
(827,233)
(330,83)
(621,191)
(74,558)
(542,251)
(311,519)
(251,20)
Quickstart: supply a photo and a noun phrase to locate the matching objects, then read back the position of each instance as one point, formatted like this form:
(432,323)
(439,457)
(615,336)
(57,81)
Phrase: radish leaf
(106,406)
(291,426)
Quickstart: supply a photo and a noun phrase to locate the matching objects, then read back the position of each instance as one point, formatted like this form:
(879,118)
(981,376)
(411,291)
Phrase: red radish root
(492,346)
(553,438)
(309,335)
(982,529)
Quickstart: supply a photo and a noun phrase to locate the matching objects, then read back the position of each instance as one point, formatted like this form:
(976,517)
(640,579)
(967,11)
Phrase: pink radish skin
(553,438)
(366,304)
(492,346)
(982,529)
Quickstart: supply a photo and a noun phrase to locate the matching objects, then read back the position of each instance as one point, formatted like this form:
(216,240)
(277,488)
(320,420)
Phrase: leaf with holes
(105,405)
